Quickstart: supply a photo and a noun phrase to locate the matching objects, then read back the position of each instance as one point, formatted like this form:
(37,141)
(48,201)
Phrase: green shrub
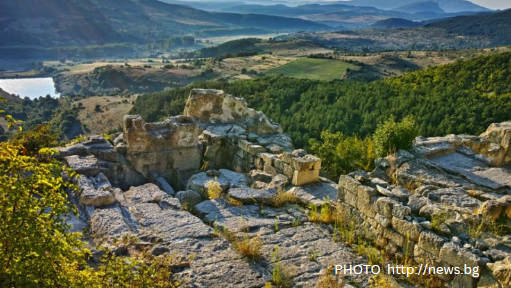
(391,136)
(341,154)
(35,249)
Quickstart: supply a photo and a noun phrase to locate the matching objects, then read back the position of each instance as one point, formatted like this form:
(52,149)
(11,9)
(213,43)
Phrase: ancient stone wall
(169,148)
(454,194)
(217,131)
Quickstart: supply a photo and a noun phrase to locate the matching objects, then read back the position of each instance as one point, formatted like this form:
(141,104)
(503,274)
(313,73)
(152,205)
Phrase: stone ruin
(217,131)
(454,184)
(140,181)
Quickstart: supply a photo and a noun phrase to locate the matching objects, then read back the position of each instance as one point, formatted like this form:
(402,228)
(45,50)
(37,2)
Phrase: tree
(391,136)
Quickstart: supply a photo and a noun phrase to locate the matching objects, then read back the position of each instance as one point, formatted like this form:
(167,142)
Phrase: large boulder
(214,106)
(95,191)
(500,134)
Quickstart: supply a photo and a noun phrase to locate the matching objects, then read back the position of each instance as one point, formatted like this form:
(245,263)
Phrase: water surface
(30,87)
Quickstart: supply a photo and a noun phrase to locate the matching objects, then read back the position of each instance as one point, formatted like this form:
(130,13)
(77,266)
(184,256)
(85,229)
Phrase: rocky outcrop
(151,182)
(214,106)
(217,131)
(493,146)
(457,189)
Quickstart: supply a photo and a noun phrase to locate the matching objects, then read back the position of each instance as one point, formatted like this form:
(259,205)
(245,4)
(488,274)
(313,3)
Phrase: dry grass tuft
(283,197)
(214,190)
(250,248)
(328,279)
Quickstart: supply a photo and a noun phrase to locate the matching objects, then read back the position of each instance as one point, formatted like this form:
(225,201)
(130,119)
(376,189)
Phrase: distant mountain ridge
(421,7)
(80,22)
(449,6)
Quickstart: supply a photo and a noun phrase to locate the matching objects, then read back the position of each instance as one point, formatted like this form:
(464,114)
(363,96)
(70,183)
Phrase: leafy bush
(35,247)
(391,136)
(42,136)
(341,154)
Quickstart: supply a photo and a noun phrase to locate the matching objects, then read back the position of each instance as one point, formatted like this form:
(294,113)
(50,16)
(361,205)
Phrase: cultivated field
(318,69)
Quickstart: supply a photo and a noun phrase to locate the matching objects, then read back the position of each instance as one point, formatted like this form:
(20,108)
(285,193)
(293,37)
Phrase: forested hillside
(495,26)
(464,97)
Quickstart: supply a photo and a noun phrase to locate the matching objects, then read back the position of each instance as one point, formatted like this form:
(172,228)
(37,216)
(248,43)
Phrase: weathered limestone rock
(169,148)
(147,193)
(95,191)
(431,242)
(87,165)
(500,134)
(189,198)
(315,194)
(253,196)
(501,270)
(109,224)
(214,106)
(491,209)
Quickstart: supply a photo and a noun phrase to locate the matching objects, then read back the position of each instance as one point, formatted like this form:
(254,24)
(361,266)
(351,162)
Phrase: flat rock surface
(253,196)
(147,193)
(305,248)
(474,170)
(87,166)
(315,193)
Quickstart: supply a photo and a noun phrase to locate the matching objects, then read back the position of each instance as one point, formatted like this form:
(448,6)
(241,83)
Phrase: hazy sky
(494,4)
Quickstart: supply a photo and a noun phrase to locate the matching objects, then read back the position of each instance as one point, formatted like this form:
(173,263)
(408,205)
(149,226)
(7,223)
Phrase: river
(30,87)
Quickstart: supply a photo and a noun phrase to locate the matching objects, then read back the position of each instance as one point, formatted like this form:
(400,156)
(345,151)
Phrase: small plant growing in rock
(214,189)
(234,202)
(328,279)
(250,248)
(437,220)
(313,256)
(282,276)
(283,197)
(344,230)
(325,214)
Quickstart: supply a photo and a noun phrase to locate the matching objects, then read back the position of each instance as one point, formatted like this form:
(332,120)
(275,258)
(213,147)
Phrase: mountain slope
(308,9)
(495,26)
(393,23)
(421,7)
(449,6)
(78,22)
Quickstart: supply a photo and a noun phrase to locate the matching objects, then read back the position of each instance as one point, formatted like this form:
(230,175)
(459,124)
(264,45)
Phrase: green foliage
(141,271)
(391,136)
(42,136)
(231,47)
(35,246)
(464,97)
(282,276)
(341,154)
